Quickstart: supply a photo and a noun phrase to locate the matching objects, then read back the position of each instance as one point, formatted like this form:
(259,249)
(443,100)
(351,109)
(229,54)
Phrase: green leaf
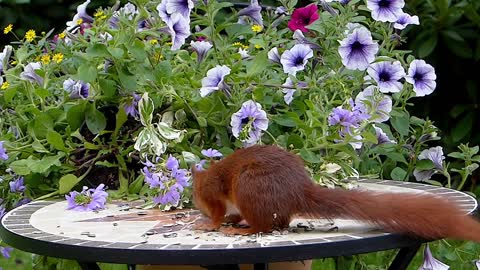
(121,118)
(427,45)
(87,72)
(400,122)
(399,157)
(398,174)
(463,127)
(106,164)
(43,123)
(116,52)
(108,87)
(66,183)
(136,185)
(258,64)
(20,167)
(38,147)
(145,108)
(295,140)
(137,50)
(309,156)
(76,116)
(286,120)
(10,93)
(56,140)
(457,155)
(127,79)
(42,93)
(98,50)
(163,70)
(96,121)
(46,163)
(202,121)
(424,164)
(123,182)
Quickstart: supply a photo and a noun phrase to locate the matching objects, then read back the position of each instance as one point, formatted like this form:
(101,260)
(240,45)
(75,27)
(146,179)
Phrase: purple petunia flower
(422,76)
(131,108)
(296,58)
(430,263)
(200,164)
(248,123)
(179,29)
(211,153)
(382,136)
(253,11)
(202,48)
(30,75)
(385,10)
(129,10)
(162,11)
(76,89)
(81,14)
(88,199)
(3,151)
(5,251)
(387,74)
(214,80)
(182,7)
(172,196)
(435,154)
(404,19)
(17,185)
(3,211)
(22,202)
(289,90)
(377,105)
(358,49)
(347,120)
(153,179)
(302,17)
(273,55)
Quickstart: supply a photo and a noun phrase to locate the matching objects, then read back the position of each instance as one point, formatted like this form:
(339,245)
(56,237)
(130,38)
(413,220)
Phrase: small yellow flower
(245,47)
(58,58)
(30,35)
(103,17)
(37,58)
(157,57)
(257,28)
(62,35)
(237,44)
(46,59)
(153,42)
(14,62)
(98,14)
(169,43)
(8,29)
(257,46)
(5,85)
(79,21)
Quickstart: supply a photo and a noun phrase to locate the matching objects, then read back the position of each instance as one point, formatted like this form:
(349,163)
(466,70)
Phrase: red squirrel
(268,186)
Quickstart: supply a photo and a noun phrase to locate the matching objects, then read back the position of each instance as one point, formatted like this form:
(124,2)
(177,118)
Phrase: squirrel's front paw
(205,226)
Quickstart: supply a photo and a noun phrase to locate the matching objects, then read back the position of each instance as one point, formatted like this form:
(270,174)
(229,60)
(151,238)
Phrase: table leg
(404,257)
(260,266)
(89,266)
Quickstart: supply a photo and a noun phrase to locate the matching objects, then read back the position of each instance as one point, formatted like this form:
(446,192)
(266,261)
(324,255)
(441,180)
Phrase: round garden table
(124,233)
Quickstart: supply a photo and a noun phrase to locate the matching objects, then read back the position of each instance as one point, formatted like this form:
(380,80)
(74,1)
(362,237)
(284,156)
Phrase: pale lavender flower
(281,10)
(243,53)
(358,49)
(200,164)
(385,10)
(404,19)
(182,7)
(131,107)
(248,123)
(377,105)
(253,11)
(3,152)
(153,179)
(422,76)
(76,89)
(301,39)
(22,202)
(202,48)
(296,58)
(211,153)
(352,26)
(162,11)
(214,80)
(4,57)
(30,75)
(289,90)
(477,264)
(172,196)
(430,263)
(17,185)
(81,14)
(179,29)
(88,199)
(387,74)
(382,137)
(273,55)
(435,154)
(129,10)
(5,251)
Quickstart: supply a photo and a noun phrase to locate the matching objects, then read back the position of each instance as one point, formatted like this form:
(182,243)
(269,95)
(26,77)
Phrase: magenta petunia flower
(302,17)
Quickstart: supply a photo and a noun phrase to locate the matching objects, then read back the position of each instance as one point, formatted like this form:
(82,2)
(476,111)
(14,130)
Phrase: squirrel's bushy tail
(422,215)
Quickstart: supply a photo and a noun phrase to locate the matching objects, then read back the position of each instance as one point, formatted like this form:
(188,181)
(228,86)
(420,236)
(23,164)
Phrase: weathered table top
(124,233)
